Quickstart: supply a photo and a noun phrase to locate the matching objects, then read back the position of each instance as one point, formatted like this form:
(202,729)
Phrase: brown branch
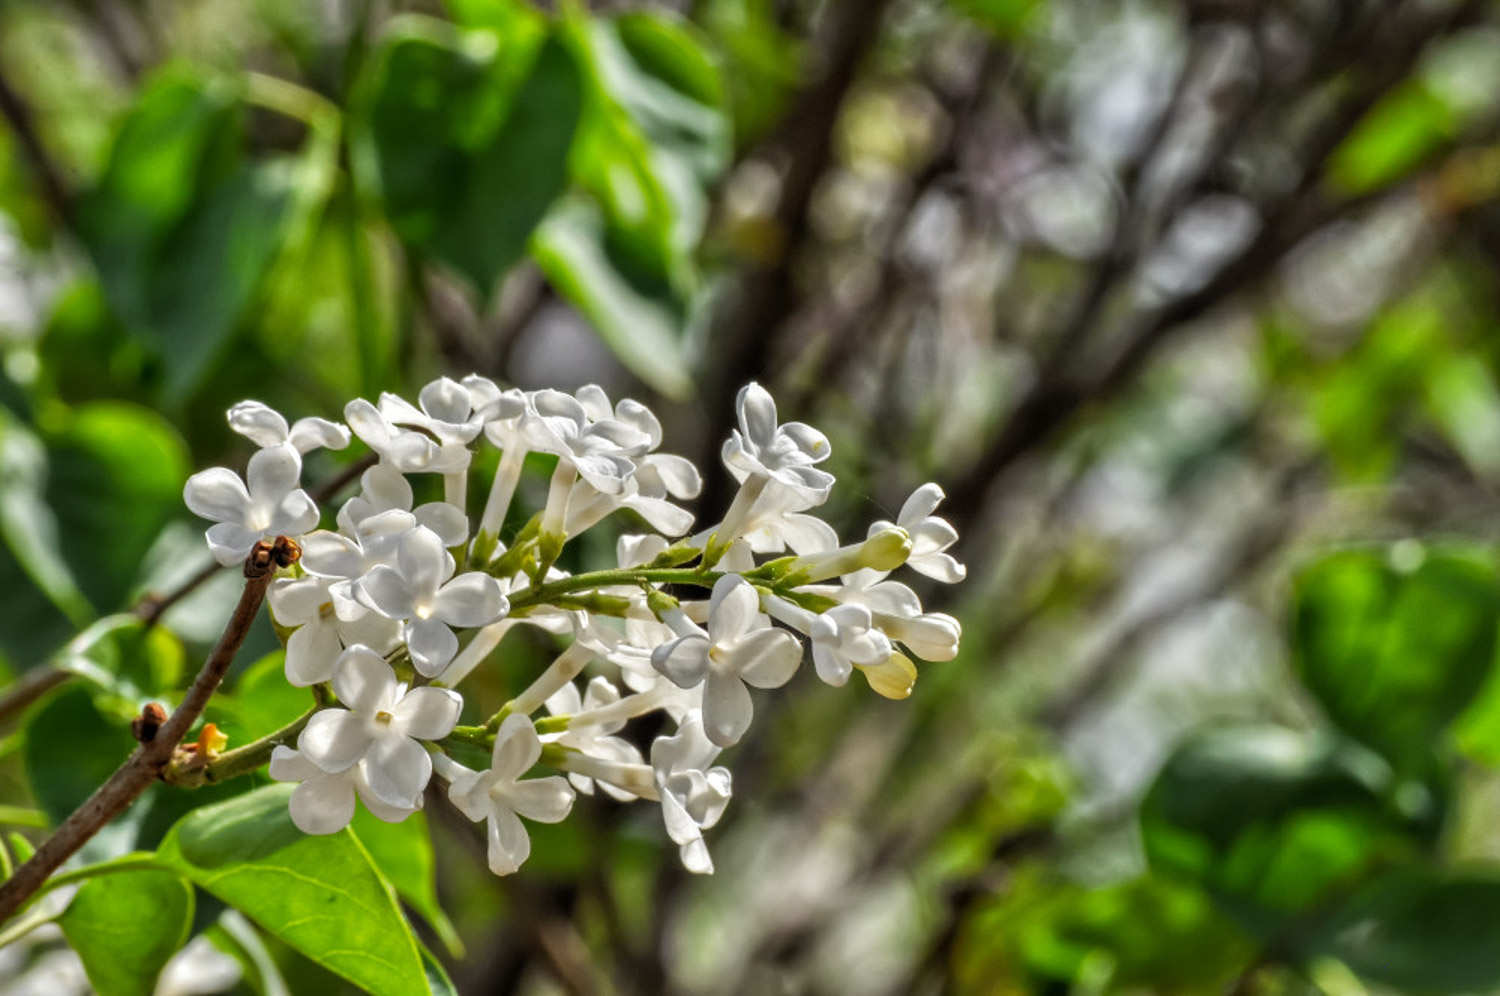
(31,686)
(145,765)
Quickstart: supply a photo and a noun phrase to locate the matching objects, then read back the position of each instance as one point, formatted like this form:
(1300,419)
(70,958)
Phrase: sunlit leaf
(126,926)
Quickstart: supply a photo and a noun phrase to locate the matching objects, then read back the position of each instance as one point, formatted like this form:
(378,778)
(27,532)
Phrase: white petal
(565,701)
(378,807)
(695,857)
(322,805)
(680,826)
(296,514)
(311,653)
(757,415)
(684,660)
(428,713)
(931,535)
(517,748)
(364,682)
(217,494)
(423,562)
(273,474)
(808,440)
(469,791)
(432,645)
(807,534)
(258,423)
(601,692)
(940,567)
(732,608)
(446,400)
(288,765)
(334,739)
(471,599)
(509,845)
(230,542)
(386,591)
(595,402)
(641,418)
(386,488)
(447,521)
(295,601)
(545,800)
(832,667)
(313,433)
(766,658)
(661,515)
(398,769)
(727,708)
(331,555)
(368,424)
(919,506)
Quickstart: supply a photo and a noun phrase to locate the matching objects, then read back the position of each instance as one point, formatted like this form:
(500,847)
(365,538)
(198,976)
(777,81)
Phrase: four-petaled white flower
(447,411)
(693,794)
(266,427)
(736,650)
(843,638)
(383,488)
(417,590)
(501,796)
(594,739)
(272,505)
(600,450)
(322,632)
(381,727)
(784,453)
(324,801)
(930,536)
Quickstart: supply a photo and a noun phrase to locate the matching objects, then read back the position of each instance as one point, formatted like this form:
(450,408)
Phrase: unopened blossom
(501,796)
(694,792)
(381,727)
(324,801)
(930,536)
(267,504)
(266,427)
(843,638)
(321,634)
(418,591)
(735,651)
(593,737)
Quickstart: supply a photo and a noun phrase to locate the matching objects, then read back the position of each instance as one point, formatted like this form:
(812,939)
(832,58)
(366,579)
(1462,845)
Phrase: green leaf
(1395,653)
(437,976)
(123,656)
(470,133)
(71,749)
(321,895)
(1408,125)
(29,527)
(1420,931)
(1274,821)
(403,853)
(643,331)
(126,926)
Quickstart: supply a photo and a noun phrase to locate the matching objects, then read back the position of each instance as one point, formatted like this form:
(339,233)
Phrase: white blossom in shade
(693,794)
(271,505)
(501,796)
(843,638)
(383,488)
(784,453)
(600,450)
(407,450)
(930,536)
(447,411)
(381,727)
(417,590)
(736,650)
(265,427)
(594,739)
(324,801)
(321,633)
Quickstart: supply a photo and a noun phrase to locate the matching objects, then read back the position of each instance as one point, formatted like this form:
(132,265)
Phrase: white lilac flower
(447,411)
(405,449)
(693,794)
(324,801)
(736,650)
(593,737)
(600,450)
(778,522)
(321,633)
(418,591)
(930,536)
(784,453)
(272,505)
(843,638)
(381,727)
(505,419)
(501,796)
(266,427)
(383,488)
(343,560)
(897,610)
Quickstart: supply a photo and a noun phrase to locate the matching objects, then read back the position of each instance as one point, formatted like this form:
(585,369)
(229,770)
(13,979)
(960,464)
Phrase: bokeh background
(1189,306)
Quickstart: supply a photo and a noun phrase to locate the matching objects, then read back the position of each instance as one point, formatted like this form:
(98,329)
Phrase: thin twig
(31,686)
(148,761)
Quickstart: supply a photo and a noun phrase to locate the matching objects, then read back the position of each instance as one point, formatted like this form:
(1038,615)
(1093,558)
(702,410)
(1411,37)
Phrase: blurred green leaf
(321,895)
(469,157)
(126,926)
(643,331)
(71,749)
(1397,135)
(403,853)
(1275,821)
(1420,931)
(1393,654)
(29,526)
(125,657)
(1006,18)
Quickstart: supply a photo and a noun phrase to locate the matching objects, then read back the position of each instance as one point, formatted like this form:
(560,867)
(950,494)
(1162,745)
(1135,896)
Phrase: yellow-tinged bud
(893,679)
(886,550)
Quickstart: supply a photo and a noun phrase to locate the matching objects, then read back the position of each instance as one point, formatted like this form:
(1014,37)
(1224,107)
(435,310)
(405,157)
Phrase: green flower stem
(536,595)
(233,763)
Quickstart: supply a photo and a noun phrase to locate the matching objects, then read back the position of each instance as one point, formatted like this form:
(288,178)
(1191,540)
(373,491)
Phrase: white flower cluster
(391,611)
